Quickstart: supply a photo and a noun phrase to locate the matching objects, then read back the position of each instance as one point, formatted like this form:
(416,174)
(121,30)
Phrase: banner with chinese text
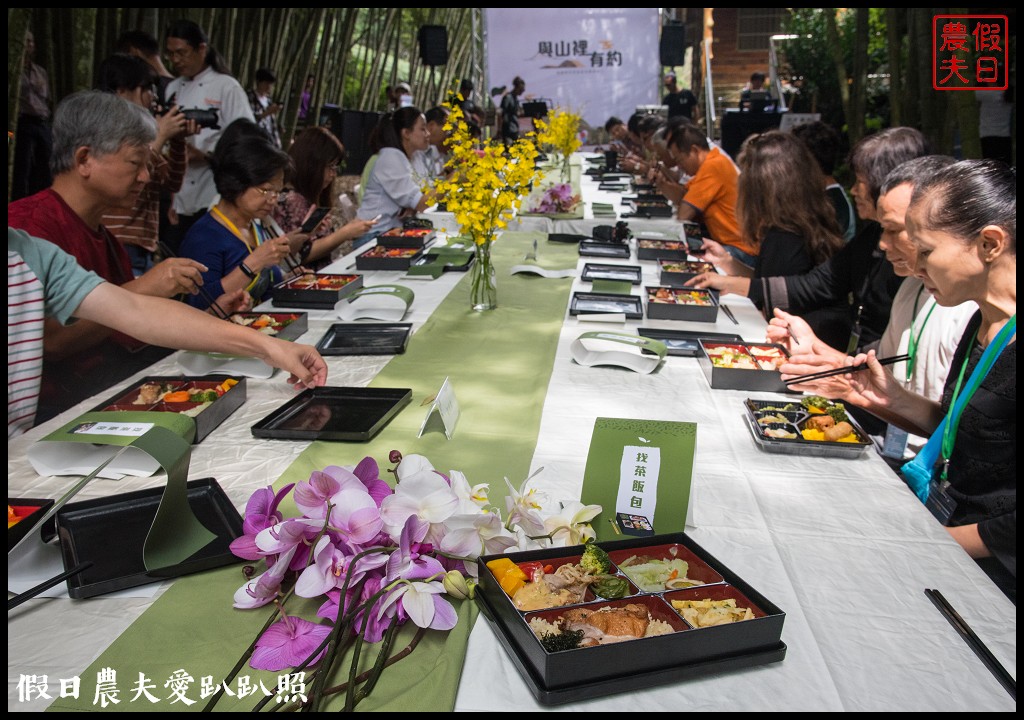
(598,62)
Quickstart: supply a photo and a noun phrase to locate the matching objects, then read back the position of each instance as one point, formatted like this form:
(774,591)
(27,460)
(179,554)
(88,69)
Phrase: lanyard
(250,287)
(231,226)
(958,404)
(915,339)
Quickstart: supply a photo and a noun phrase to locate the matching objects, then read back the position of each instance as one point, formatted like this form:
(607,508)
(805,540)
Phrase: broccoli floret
(595,560)
(816,401)
(838,412)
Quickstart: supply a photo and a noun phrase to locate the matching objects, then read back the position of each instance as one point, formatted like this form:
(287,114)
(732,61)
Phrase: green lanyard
(915,339)
(956,409)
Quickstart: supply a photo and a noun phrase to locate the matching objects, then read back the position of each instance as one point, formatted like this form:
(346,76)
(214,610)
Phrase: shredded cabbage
(656,574)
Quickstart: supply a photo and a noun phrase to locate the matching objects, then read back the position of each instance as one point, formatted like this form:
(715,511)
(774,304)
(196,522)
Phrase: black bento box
(320,291)
(676,303)
(406,237)
(587,672)
(743,366)
(207,419)
(649,249)
(678,272)
(385,257)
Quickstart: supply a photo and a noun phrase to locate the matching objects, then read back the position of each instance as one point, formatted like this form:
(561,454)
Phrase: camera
(203,118)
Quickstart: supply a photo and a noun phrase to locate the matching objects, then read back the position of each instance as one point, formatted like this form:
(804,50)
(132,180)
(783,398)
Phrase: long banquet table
(840,545)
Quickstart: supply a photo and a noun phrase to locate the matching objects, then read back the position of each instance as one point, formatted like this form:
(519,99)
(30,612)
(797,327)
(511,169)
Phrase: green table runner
(499,363)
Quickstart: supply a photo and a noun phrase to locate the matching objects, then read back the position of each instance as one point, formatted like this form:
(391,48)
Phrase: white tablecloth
(840,545)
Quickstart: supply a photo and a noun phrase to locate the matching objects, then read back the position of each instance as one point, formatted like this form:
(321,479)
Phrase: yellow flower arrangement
(560,132)
(483,187)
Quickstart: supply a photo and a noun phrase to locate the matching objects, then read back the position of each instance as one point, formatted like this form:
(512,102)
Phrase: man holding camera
(204,84)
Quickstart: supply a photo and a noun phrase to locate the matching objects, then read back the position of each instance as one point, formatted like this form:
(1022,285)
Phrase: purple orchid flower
(292,533)
(421,602)
(411,560)
(356,515)
(369,473)
(331,564)
(260,513)
(288,643)
(263,589)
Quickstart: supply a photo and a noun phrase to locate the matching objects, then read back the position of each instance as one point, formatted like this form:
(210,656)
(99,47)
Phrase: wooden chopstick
(843,370)
(974,642)
(217,309)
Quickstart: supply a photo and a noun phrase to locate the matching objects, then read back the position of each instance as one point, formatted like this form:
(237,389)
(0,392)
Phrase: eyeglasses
(180,52)
(268,194)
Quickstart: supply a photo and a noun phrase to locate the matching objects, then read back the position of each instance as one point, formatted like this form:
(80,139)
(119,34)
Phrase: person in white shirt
(392,193)
(428,165)
(203,83)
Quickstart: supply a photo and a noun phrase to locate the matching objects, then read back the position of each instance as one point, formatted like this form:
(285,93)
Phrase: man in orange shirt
(710,196)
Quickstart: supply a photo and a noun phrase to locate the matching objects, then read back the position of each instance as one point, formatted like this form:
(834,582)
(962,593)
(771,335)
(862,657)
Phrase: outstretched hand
(306,368)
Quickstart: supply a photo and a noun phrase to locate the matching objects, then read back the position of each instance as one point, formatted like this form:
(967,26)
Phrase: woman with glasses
(236,239)
(317,156)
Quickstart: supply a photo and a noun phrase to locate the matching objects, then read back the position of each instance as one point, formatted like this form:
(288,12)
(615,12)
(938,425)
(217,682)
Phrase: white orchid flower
(424,494)
(571,525)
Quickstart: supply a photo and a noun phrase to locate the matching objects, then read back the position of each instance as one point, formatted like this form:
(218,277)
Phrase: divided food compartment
(661,249)
(675,303)
(678,272)
(283,326)
(683,652)
(743,366)
(589,594)
(206,417)
(771,428)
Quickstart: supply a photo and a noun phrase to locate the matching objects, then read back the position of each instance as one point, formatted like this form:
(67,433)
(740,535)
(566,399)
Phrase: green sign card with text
(639,472)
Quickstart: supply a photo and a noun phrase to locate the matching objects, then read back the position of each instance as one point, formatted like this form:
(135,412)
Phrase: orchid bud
(456,585)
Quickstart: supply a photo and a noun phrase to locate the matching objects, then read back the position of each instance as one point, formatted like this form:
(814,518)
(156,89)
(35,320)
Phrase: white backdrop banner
(598,62)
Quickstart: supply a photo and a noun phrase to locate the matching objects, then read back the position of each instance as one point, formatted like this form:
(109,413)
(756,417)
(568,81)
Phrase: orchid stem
(404,652)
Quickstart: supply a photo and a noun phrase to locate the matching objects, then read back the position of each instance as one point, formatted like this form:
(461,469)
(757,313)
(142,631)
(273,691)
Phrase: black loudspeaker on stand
(433,45)
(672,49)
(353,128)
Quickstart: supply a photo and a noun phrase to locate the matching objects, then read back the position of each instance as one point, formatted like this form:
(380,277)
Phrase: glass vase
(566,170)
(483,290)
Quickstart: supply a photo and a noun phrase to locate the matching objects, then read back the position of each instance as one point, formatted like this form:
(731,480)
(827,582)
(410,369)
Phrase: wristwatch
(248,271)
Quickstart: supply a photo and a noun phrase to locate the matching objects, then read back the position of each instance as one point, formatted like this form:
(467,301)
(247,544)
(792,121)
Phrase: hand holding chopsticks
(974,642)
(843,370)
(214,307)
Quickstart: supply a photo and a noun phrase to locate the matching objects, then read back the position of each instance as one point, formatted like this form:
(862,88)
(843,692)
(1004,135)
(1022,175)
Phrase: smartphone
(694,238)
(315,218)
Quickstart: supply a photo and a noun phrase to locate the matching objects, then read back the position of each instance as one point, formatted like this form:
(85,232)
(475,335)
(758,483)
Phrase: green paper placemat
(499,363)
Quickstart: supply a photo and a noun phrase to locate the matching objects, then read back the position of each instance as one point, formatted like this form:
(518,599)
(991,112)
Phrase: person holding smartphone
(308,199)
